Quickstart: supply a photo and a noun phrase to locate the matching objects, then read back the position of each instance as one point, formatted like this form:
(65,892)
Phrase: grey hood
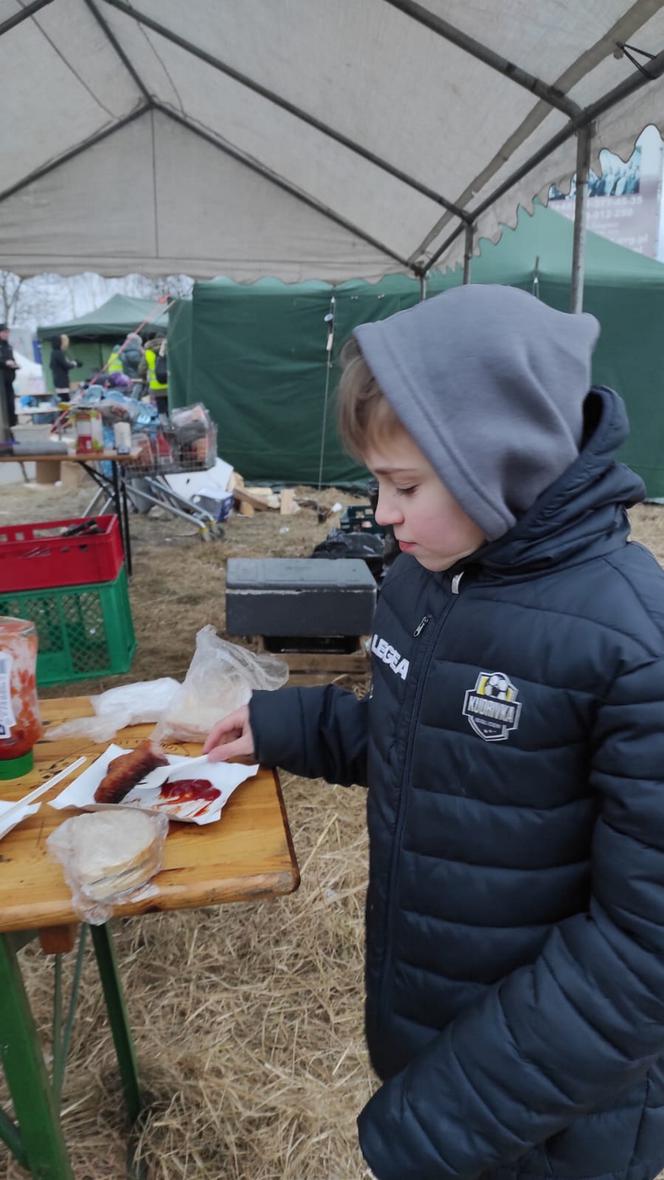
(490,383)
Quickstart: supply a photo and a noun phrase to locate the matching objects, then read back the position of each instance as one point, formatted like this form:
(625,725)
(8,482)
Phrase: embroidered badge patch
(492,707)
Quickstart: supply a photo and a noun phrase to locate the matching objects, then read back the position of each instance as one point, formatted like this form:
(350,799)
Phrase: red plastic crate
(37,557)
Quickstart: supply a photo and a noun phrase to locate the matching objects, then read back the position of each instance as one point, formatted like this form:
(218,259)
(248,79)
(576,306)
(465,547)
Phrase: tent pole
(325,128)
(71,153)
(583,145)
(536,283)
(119,50)
(552,95)
(653,70)
(22,14)
(253,164)
(468,251)
(423,286)
(329,345)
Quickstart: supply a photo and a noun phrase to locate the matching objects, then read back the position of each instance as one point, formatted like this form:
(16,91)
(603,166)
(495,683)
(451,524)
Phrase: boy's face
(428,522)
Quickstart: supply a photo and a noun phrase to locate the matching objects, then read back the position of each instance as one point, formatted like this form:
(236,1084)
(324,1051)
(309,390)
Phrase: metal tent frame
(579,122)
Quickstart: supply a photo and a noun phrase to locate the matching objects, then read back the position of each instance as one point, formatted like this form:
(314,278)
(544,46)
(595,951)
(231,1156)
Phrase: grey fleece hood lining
(528,369)
(503,519)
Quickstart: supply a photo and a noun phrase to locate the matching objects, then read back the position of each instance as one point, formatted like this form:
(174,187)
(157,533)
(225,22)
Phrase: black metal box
(299,596)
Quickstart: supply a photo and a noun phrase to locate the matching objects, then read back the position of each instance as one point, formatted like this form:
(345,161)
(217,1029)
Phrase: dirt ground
(247,1018)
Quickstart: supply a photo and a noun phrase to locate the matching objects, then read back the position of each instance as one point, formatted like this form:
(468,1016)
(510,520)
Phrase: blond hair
(364,415)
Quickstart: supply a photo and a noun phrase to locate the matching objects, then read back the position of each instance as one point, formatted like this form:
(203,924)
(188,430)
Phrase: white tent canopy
(302,138)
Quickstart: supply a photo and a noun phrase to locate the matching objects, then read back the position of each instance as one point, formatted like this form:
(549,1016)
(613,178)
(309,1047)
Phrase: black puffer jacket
(514,751)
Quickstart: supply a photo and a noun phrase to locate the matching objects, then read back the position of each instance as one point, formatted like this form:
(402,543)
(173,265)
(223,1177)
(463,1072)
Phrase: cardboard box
(47,471)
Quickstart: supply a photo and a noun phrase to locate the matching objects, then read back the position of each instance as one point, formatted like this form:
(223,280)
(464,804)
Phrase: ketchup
(186,790)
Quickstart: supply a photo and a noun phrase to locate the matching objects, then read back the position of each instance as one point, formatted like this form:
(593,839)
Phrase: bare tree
(50,298)
(10,296)
(27,302)
(168,287)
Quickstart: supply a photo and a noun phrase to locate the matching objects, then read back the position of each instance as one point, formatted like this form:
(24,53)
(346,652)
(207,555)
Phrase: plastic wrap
(128,704)
(81,845)
(221,677)
(190,422)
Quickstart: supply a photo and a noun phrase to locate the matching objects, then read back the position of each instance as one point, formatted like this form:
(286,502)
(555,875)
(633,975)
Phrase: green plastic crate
(83,631)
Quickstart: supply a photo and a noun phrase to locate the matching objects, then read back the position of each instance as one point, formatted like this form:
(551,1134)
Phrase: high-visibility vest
(114,362)
(151,361)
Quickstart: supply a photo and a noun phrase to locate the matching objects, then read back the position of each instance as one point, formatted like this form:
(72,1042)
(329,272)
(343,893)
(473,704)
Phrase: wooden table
(247,855)
(115,486)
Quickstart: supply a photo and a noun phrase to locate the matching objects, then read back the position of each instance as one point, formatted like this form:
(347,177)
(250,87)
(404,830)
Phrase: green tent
(93,335)
(180,330)
(256,354)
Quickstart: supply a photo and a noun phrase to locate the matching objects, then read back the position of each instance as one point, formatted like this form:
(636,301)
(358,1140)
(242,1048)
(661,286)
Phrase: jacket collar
(580,515)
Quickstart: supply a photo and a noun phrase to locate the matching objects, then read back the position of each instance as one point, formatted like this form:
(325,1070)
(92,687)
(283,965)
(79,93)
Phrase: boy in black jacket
(513,754)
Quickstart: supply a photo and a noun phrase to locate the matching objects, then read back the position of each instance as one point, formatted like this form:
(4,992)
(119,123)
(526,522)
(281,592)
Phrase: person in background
(61,364)
(513,750)
(131,355)
(8,367)
(156,372)
(114,360)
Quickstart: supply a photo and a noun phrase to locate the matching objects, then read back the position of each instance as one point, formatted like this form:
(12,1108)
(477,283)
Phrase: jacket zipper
(401,808)
(421,625)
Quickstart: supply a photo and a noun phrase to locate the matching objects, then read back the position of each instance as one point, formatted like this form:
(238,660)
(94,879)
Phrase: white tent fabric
(301,138)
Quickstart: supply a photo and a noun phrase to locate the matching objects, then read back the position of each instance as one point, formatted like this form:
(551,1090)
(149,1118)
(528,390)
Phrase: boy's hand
(231,738)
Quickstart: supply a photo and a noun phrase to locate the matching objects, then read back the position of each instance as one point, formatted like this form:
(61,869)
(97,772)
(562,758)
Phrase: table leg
(42,1144)
(117,1016)
(62,1039)
(117,501)
(121,510)
(125,520)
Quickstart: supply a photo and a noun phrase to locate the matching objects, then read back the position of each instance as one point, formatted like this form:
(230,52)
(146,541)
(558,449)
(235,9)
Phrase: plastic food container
(89,430)
(122,437)
(20,723)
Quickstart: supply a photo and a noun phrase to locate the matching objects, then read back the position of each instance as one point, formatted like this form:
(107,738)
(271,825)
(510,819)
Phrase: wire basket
(161,452)
(199,454)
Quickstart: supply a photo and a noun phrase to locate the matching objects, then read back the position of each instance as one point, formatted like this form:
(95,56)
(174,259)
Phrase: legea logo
(390,656)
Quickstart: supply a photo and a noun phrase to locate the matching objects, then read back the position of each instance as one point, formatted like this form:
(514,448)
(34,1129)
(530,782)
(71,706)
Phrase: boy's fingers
(226,728)
(222,741)
(230,737)
(237,749)
(234,722)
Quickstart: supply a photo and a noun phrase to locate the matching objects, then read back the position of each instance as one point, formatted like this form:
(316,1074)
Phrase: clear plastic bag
(108,857)
(190,422)
(221,677)
(127,704)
